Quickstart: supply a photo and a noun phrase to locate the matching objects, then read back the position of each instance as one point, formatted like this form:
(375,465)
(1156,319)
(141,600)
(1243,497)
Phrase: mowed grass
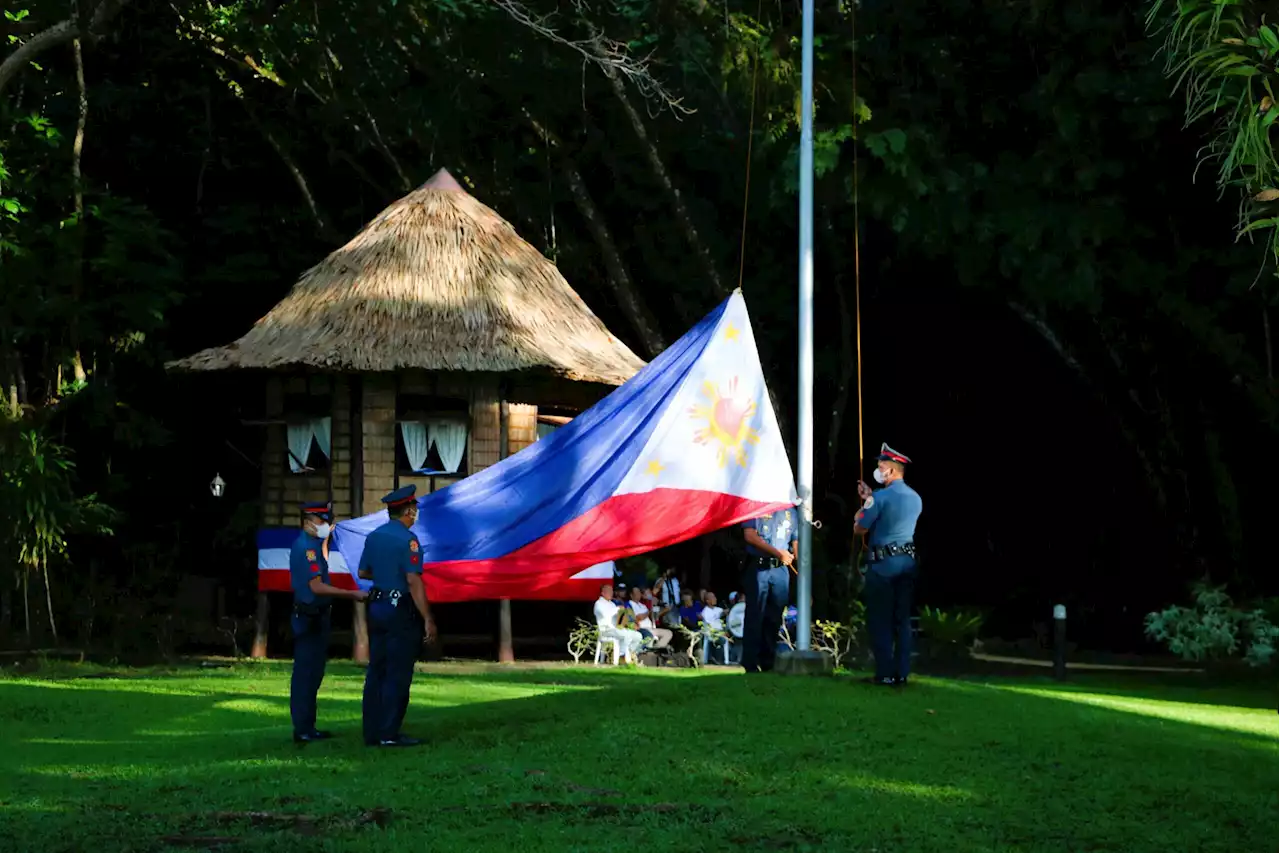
(559,759)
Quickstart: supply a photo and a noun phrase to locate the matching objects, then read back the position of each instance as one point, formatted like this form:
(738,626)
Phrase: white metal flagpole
(804,451)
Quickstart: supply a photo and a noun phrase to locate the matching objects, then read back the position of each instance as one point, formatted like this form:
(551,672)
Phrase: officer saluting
(889,515)
(312,594)
(771,549)
(399,619)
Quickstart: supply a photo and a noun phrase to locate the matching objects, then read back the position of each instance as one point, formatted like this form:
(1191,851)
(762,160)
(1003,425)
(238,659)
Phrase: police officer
(771,549)
(312,600)
(889,515)
(399,619)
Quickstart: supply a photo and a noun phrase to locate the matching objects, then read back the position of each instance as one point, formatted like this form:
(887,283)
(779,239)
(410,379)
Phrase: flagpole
(804,451)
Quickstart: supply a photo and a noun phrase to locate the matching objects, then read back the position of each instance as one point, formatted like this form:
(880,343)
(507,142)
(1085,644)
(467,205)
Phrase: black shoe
(400,741)
(311,737)
(900,682)
(881,682)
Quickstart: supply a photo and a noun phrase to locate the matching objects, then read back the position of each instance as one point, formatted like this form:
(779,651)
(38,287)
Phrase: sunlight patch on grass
(1226,718)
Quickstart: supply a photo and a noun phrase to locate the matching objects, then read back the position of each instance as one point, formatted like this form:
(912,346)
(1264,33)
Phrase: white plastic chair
(601,640)
(706,648)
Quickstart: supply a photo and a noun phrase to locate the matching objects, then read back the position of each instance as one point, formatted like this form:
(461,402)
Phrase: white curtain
(450,439)
(299,445)
(323,430)
(416,444)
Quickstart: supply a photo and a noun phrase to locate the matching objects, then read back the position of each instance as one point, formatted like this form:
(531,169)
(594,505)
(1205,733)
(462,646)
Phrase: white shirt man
(607,623)
(713,622)
(738,618)
(661,636)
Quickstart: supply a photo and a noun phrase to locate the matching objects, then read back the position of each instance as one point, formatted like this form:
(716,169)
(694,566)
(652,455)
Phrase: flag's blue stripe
(552,482)
(276,537)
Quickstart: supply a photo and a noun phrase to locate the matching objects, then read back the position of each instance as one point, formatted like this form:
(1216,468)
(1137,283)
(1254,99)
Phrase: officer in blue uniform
(771,549)
(399,619)
(312,600)
(889,517)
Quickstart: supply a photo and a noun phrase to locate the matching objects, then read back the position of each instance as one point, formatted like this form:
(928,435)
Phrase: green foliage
(955,628)
(40,509)
(1212,628)
(1222,55)
(837,639)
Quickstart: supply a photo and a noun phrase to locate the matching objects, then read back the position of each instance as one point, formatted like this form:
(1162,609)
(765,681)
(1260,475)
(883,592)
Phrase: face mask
(879,475)
(323,529)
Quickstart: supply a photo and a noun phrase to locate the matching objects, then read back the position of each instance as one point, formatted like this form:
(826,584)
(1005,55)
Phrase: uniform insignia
(413,545)
(311,556)
(315,568)
(869,502)
(414,559)
(764,528)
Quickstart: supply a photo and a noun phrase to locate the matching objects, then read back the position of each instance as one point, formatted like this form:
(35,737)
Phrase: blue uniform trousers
(766,591)
(889,588)
(395,635)
(310,653)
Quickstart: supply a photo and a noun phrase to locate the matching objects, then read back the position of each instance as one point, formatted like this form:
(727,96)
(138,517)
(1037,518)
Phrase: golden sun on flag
(727,422)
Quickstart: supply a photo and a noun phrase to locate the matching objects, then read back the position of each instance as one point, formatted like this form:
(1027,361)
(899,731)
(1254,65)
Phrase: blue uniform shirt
(390,553)
(779,530)
(892,516)
(306,561)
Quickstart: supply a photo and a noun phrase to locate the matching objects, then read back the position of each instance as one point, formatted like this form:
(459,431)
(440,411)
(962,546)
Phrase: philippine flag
(689,445)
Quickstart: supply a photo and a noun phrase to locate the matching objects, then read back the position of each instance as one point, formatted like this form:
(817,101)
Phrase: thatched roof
(437,281)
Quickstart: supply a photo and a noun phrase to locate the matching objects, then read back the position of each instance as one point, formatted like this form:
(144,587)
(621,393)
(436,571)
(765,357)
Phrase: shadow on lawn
(753,763)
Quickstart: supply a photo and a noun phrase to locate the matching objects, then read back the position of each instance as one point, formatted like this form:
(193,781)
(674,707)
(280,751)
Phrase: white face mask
(323,529)
(879,476)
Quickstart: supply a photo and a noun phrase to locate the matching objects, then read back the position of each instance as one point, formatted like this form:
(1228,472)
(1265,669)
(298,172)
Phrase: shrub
(582,639)
(1214,629)
(959,628)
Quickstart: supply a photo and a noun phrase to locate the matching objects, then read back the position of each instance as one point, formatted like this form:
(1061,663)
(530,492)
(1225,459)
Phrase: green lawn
(552,759)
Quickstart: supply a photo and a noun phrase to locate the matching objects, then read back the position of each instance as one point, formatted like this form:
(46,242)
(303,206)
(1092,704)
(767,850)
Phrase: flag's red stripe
(622,526)
(277,580)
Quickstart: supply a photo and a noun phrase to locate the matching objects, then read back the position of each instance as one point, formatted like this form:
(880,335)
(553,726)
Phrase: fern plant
(1222,55)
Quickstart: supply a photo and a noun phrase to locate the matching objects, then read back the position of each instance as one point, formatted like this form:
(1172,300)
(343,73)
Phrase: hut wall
(379,423)
(522,426)
(484,445)
(282,489)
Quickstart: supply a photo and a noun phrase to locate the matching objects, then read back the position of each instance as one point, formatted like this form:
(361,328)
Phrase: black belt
(876,553)
(392,595)
(762,563)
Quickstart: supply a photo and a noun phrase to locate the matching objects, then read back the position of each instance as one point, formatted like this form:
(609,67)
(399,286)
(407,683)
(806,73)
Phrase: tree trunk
(59,33)
(506,648)
(48,600)
(678,207)
(323,229)
(261,621)
(77,237)
(642,321)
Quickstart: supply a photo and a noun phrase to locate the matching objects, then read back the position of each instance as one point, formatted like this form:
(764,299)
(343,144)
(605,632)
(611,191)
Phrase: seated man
(608,617)
(660,637)
(737,623)
(690,614)
(713,623)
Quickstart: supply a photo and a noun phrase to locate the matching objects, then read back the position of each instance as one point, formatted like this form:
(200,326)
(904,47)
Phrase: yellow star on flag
(655,467)
(731,332)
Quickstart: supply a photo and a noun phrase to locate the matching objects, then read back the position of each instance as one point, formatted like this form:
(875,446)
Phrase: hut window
(431,435)
(308,432)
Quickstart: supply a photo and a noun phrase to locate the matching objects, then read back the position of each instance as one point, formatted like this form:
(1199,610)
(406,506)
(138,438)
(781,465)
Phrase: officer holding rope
(888,516)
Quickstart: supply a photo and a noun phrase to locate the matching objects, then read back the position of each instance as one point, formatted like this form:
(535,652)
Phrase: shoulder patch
(413,545)
(315,568)
(311,556)
(869,502)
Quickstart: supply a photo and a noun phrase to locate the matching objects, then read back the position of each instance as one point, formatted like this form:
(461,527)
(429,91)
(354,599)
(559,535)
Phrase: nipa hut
(433,344)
